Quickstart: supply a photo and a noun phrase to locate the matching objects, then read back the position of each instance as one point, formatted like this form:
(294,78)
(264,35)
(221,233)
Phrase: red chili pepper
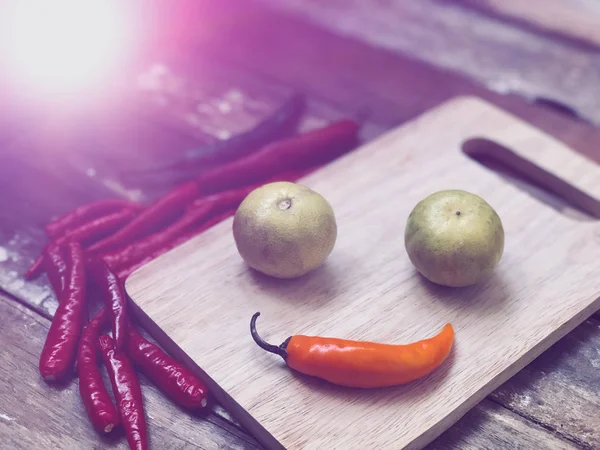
(180,239)
(77,216)
(127,391)
(60,348)
(201,210)
(293,154)
(143,247)
(98,405)
(181,385)
(56,267)
(233,197)
(114,296)
(164,209)
(275,126)
(85,233)
(221,201)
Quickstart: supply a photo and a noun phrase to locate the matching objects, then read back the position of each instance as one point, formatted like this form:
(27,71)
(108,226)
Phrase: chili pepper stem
(278,350)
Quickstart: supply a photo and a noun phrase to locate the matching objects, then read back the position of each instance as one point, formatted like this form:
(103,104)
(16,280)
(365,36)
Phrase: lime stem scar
(284,204)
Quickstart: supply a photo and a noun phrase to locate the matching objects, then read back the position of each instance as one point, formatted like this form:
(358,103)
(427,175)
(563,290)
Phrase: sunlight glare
(63,46)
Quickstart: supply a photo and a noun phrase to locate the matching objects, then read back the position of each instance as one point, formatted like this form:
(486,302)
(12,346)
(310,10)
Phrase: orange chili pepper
(358,363)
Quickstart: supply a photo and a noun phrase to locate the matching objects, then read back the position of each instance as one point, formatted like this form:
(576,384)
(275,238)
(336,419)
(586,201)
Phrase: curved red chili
(127,391)
(292,154)
(98,405)
(274,127)
(60,349)
(143,247)
(172,377)
(115,299)
(85,233)
(77,216)
(178,240)
(161,211)
(55,265)
(200,210)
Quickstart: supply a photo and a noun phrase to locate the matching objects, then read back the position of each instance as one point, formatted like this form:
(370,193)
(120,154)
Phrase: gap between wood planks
(543,425)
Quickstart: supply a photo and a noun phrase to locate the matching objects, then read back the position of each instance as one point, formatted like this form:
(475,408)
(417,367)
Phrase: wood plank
(490,426)
(560,388)
(520,312)
(498,55)
(35,415)
(571,18)
(353,74)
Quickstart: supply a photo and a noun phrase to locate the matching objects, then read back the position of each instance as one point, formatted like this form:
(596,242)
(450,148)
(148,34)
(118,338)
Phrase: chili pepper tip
(278,350)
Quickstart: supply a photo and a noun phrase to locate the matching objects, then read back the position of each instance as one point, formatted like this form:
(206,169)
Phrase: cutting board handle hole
(528,177)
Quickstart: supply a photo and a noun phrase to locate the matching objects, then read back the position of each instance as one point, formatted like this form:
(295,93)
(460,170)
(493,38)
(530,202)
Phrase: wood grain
(518,313)
(490,426)
(574,18)
(355,74)
(560,388)
(500,56)
(35,415)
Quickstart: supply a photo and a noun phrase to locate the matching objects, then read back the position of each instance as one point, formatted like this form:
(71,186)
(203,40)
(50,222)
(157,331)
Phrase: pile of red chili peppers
(94,247)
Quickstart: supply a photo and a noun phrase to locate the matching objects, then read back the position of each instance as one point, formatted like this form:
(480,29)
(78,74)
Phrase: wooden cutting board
(198,299)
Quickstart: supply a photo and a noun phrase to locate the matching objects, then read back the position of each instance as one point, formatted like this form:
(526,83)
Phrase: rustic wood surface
(36,415)
(503,57)
(538,305)
(560,389)
(490,426)
(356,76)
(573,18)
(247,61)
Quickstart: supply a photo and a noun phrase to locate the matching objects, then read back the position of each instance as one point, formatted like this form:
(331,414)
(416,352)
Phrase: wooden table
(388,61)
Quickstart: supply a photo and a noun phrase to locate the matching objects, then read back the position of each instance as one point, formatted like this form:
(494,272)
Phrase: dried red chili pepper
(172,377)
(161,211)
(59,351)
(233,197)
(56,267)
(127,391)
(86,233)
(114,296)
(82,213)
(180,239)
(139,249)
(274,127)
(293,154)
(200,210)
(358,363)
(98,405)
